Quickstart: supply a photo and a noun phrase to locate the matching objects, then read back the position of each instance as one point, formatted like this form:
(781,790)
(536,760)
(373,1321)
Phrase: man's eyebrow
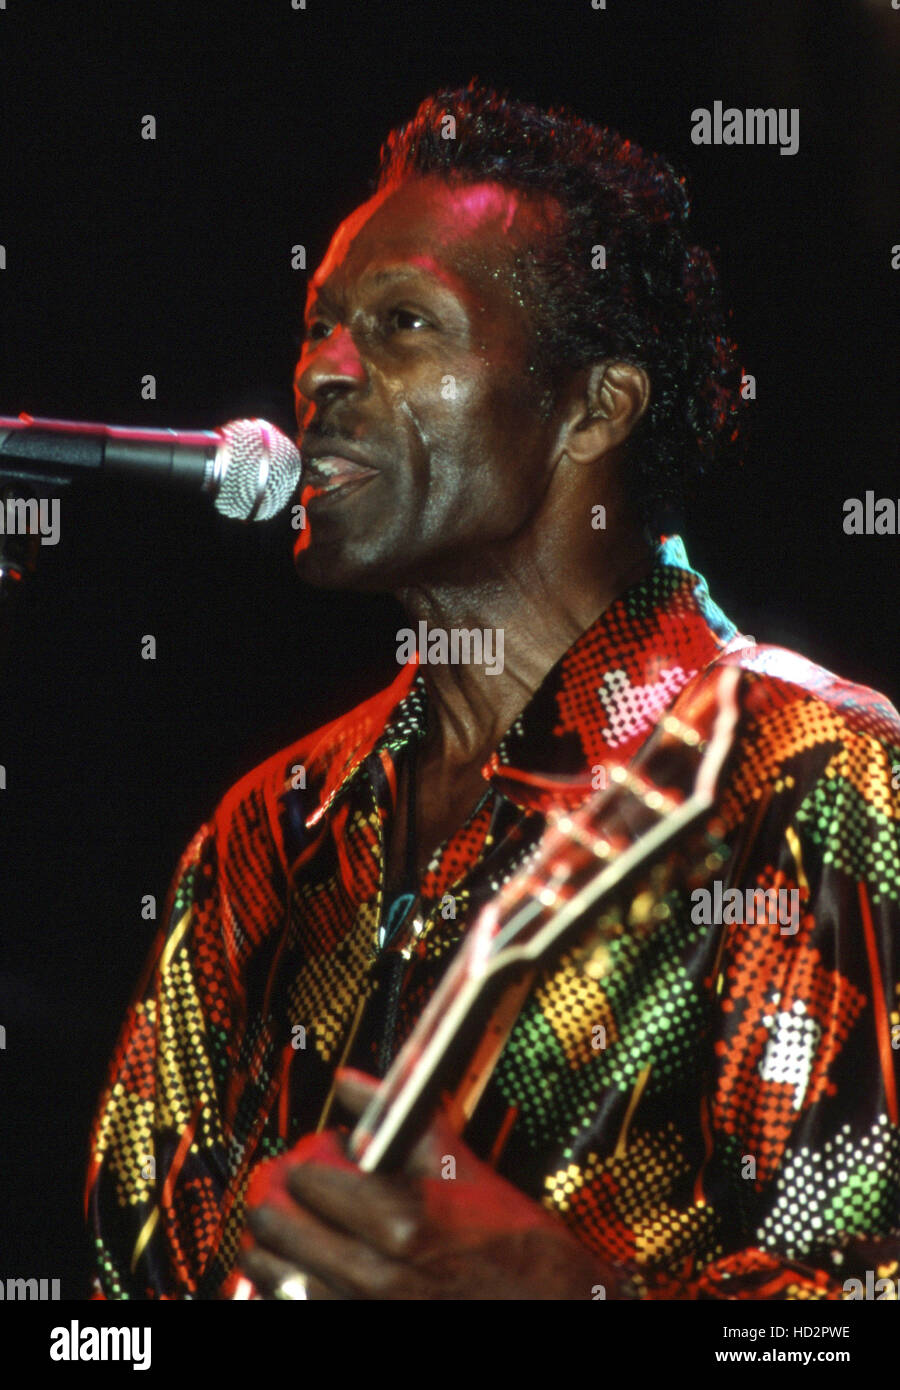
(415,268)
(420,265)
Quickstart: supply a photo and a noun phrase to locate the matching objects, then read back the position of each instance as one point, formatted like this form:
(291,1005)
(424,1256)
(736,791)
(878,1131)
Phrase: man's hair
(657,302)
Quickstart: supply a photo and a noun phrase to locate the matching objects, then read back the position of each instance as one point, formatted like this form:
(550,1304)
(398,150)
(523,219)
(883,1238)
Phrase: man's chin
(325,567)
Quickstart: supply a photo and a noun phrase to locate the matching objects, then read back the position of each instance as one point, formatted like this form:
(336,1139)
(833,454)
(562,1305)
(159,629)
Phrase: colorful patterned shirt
(738,1133)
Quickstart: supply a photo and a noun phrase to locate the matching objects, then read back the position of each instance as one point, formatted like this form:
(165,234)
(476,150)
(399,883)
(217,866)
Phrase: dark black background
(172,257)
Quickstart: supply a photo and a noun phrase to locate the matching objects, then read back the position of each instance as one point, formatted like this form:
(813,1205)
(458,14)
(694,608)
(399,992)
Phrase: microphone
(248,467)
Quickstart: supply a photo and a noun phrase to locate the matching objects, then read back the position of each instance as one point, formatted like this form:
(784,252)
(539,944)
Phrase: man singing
(514,361)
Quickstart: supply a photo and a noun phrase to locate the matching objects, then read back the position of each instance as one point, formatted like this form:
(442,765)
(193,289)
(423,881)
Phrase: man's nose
(329,367)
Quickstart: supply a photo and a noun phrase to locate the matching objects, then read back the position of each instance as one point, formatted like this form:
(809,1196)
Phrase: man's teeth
(335,471)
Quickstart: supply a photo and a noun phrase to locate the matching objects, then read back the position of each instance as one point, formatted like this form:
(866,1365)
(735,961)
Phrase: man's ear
(610,401)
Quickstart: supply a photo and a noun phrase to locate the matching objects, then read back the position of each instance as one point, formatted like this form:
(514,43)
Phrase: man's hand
(416,1235)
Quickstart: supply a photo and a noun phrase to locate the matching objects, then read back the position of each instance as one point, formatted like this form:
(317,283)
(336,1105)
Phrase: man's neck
(472,705)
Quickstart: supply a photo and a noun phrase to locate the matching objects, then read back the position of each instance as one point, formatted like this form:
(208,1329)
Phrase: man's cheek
(438,400)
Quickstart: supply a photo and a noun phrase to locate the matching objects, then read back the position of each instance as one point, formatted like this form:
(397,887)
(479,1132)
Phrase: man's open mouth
(333,473)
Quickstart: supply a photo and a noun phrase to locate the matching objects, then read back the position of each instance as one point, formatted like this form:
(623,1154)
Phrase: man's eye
(407,319)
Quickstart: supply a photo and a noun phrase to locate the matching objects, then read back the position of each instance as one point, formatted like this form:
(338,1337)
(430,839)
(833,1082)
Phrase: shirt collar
(594,707)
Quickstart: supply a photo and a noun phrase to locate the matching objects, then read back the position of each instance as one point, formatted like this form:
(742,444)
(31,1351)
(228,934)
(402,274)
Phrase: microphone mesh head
(261,466)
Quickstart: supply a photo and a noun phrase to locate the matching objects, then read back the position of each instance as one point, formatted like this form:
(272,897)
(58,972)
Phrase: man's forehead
(397,220)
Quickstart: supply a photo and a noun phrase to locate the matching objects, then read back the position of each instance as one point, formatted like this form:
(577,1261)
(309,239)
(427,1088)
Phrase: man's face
(417,369)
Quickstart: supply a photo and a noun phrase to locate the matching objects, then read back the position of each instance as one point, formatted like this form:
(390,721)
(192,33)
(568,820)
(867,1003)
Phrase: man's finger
(376,1211)
(268,1274)
(344,1264)
(354,1089)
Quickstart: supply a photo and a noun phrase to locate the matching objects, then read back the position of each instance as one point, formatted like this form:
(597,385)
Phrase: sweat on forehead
(446,212)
